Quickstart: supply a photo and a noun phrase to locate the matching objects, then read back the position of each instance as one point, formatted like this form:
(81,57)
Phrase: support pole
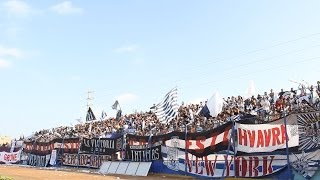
(233,133)
(228,151)
(185,149)
(78,155)
(287,147)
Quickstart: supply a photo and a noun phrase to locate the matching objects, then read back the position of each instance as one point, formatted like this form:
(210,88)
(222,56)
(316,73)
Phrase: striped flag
(103,115)
(90,116)
(168,108)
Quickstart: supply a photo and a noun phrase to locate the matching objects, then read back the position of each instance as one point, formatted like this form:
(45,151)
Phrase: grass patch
(5,178)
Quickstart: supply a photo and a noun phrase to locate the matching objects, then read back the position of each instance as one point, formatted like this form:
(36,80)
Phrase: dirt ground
(32,173)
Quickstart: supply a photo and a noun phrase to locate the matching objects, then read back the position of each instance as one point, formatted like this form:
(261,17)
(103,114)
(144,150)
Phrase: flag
(251,91)
(119,114)
(213,106)
(103,115)
(168,108)
(115,105)
(90,116)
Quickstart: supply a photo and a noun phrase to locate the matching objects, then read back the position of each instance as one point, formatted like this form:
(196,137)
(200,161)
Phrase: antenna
(89,99)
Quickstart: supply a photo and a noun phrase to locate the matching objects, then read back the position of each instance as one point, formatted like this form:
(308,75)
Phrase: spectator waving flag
(103,115)
(115,105)
(90,116)
(213,106)
(168,108)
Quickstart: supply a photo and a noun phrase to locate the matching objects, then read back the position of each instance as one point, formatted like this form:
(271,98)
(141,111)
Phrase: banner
(9,157)
(202,143)
(53,157)
(198,144)
(38,160)
(106,146)
(267,137)
(309,130)
(223,165)
(142,153)
(306,163)
(70,145)
(84,160)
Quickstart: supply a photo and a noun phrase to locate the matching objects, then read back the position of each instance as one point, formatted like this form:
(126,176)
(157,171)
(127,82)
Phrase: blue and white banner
(306,163)
(222,165)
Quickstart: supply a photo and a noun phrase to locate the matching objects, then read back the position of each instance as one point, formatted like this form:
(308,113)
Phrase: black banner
(84,160)
(145,152)
(205,143)
(199,143)
(105,146)
(37,160)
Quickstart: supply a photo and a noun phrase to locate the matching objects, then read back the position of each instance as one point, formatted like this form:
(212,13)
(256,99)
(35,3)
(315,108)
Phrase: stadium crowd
(265,107)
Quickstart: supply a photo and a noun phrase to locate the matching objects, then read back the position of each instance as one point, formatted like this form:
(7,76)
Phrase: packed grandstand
(266,107)
(263,134)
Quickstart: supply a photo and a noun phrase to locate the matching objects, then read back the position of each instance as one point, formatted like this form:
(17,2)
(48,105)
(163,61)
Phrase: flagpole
(287,146)
(234,146)
(185,149)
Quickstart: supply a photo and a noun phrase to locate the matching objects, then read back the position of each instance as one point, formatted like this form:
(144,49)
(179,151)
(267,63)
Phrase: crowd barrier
(235,149)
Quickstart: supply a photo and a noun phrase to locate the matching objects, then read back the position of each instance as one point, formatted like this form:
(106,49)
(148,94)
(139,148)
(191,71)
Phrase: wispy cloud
(66,8)
(127,49)
(126,98)
(17,8)
(11,52)
(5,64)
(7,54)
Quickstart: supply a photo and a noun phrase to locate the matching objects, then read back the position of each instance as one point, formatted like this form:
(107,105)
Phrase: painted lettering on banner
(38,160)
(213,165)
(106,146)
(199,144)
(84,160)
(144,152)
(10,158)
(266,137)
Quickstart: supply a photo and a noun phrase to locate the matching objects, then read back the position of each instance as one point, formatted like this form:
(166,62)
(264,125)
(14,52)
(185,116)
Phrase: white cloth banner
(10,157)
(267,137)
(53,157)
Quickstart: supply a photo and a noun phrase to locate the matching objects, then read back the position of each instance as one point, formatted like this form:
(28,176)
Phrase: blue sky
(53,52)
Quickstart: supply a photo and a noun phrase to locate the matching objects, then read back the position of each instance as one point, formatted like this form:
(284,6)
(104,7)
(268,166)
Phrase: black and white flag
(168,108)
(103,116)
(90,116)
(115,105)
